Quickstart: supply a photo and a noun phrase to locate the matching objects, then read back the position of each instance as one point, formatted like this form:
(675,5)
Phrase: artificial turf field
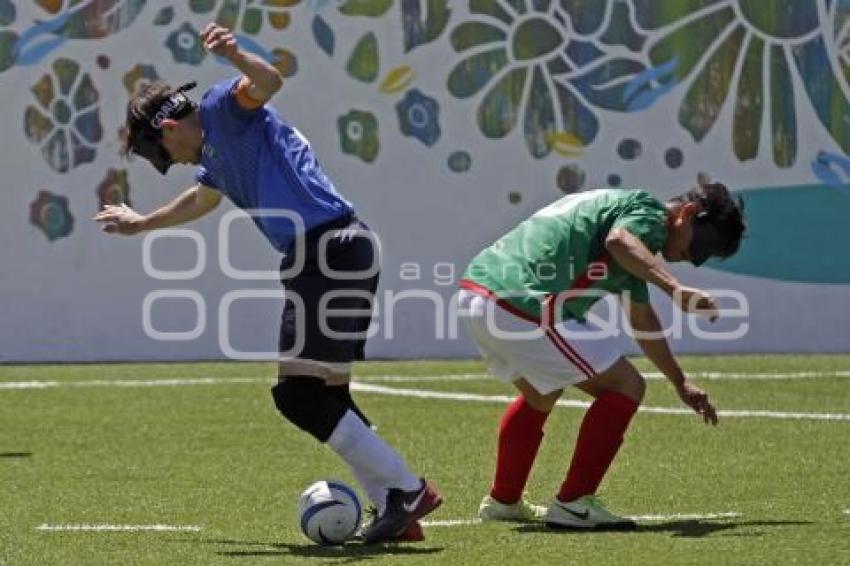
(201,446)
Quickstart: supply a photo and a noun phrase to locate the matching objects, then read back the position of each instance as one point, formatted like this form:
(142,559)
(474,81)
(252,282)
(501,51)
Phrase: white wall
(80,296)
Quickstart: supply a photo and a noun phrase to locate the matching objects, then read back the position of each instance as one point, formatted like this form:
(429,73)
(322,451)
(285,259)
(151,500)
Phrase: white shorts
(516,346)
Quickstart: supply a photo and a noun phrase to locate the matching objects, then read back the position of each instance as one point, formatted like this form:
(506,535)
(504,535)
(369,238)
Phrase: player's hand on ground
(696,301)
(697,399)
(219,40)
(120,219)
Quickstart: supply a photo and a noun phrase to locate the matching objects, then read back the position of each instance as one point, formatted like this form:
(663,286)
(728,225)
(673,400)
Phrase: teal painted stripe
(796,233)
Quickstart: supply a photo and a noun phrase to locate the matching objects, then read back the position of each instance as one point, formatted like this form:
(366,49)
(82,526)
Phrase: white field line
(45,384)
(647,518)
(118,528)
(707,375)
(474,397)
(417,393)
(177,382)
(452,523)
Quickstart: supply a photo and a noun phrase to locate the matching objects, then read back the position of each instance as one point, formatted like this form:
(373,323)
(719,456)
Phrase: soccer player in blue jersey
(249,154)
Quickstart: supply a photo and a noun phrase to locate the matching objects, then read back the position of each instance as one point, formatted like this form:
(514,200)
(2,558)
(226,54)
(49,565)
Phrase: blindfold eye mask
(146,140)
(706,241)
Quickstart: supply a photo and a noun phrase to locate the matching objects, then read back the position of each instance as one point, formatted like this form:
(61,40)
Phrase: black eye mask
(147,141)
(706,241)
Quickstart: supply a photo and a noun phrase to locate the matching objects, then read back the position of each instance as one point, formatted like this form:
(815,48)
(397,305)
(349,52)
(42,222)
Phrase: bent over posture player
(248,153)
(526,298)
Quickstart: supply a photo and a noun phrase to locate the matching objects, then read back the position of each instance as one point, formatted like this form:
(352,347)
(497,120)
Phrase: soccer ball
(329,512)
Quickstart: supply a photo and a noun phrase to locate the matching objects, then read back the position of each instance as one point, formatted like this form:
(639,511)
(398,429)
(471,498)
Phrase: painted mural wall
(446,122)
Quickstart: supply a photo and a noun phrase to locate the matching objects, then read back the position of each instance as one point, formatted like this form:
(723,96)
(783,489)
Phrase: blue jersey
(262,163)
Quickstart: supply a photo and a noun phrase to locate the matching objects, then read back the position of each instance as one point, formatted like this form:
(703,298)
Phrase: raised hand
(219,40)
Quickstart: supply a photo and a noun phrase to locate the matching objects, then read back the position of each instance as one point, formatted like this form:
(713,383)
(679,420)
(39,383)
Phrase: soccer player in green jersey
(525,300)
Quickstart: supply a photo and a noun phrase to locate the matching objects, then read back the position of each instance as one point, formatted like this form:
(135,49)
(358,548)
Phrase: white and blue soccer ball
(329,512)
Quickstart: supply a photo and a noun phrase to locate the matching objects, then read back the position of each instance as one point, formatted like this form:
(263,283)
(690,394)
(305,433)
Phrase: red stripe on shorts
(564,347)
(491,295)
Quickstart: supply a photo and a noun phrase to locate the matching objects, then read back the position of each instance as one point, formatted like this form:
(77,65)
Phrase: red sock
(599,438)
(520,433)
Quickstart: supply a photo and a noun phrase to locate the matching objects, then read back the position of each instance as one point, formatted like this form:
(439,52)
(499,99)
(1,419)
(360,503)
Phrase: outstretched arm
(260,81)
(635,257)
(649,335)
(190,205)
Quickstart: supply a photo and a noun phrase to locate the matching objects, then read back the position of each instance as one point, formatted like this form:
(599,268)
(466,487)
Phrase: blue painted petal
(583,52)
(323,35)
(88,125)
(586,15)
(831,168)
(650,81)
(824,91)
(418,30)
(7,12)
(605,85)
(80,152)
(55,151)
(37,50)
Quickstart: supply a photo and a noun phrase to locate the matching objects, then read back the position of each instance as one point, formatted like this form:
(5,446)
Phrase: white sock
(376,493)
(369,456)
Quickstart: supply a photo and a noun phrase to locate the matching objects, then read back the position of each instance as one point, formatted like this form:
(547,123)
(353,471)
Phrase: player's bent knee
(304,402)
(622,377)
(632,384)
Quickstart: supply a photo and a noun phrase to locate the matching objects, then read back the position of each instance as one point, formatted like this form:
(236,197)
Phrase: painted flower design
(358,135)
(114,189)
(247,15)
(139,77)
(65,120)
(530,60)
(7,12)
(750,50)
(418,116)
(8,38)
(89,19)
(50,214)
(55,6)
(185,45)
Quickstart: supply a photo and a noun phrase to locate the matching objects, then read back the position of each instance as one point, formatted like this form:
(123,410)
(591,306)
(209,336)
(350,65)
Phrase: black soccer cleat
(403,509)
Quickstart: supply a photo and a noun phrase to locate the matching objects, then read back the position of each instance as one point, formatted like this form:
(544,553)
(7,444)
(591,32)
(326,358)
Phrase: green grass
(219,456)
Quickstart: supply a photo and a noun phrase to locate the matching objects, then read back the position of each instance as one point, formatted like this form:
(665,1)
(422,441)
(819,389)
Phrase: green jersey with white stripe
(560,251)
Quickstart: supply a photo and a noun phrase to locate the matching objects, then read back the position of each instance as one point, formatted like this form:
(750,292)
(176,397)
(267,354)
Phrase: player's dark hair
(144,103)
(721,210)
(147,111)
